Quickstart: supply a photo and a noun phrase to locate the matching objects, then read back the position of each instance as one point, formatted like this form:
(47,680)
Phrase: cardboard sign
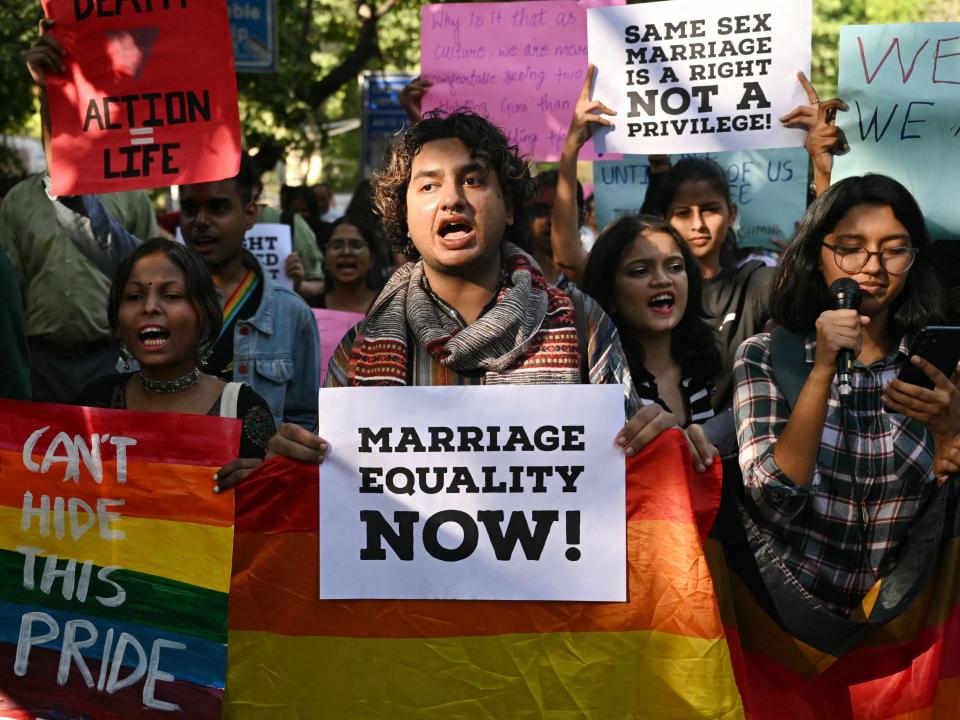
(900,83)
(271,243)
(769,188)
(149,96)
(500,492)
(114,562)
(520,64)
(332,325)
(689,76)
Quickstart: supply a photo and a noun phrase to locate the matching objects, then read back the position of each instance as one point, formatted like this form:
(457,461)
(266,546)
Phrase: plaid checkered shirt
(839,534)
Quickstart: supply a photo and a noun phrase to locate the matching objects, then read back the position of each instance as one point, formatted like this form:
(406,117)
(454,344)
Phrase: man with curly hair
(472,307)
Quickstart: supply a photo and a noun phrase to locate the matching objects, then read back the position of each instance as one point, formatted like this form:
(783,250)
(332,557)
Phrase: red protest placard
(149,96)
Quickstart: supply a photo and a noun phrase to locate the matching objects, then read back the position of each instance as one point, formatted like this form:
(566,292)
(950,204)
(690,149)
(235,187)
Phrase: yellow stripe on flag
(558,675)
(186,552)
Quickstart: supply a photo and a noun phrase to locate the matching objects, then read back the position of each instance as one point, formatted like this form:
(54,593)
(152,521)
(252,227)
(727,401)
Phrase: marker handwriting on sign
(77,449)
(123,658)
(900,122)
(938,74)
(84,9)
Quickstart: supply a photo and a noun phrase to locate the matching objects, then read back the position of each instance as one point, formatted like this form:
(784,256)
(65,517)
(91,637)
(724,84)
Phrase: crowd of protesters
(469,269)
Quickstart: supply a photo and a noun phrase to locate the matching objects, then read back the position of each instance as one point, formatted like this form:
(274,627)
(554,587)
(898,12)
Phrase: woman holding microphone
(832,486)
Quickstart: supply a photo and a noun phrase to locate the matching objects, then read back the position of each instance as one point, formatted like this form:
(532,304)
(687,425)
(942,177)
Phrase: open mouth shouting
(662,303)
(455,232)
(153,337)
(202,243)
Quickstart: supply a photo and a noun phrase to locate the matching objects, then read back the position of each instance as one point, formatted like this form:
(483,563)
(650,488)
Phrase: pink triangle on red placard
(129,50)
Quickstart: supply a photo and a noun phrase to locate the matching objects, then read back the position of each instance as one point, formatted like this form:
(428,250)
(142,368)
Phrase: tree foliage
(18,28)
(324,46)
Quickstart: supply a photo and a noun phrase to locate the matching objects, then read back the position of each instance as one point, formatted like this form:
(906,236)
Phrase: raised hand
(824,138)
(586,114)
(45,55)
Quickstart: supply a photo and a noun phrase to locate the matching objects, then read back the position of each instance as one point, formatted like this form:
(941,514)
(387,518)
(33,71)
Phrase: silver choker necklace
(170,386)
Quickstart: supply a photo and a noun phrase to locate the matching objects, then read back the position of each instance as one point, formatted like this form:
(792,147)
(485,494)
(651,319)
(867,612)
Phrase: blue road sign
(382,115)
(253,24)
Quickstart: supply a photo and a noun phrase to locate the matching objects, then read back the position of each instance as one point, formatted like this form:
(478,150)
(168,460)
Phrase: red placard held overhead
(149,96)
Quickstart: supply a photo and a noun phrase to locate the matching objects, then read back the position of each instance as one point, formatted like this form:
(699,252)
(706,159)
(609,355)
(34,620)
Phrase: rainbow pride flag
(114,562)
(662,654)
(905,669)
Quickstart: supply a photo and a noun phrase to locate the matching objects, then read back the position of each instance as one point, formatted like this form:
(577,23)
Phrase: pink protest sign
(520,64)
(332,325)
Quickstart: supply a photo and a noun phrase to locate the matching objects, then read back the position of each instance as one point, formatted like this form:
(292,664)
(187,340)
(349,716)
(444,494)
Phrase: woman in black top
(645,277)
(694,197)
(165,311)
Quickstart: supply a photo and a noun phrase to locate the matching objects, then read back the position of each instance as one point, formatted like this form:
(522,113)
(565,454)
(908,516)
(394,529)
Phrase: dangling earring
(204,351)
(125,356)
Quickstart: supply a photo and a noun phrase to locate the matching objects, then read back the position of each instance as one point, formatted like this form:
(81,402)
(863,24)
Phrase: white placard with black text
(687,76)
(271,243)
(477,492)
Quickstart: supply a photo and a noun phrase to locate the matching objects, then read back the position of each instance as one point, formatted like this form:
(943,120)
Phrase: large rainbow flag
(662,654)
(114,562)
(905,669)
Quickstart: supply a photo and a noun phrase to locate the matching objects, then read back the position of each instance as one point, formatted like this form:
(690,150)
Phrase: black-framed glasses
(356,245)
(854,258)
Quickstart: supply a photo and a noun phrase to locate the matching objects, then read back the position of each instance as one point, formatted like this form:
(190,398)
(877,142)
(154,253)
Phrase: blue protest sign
(769,188)
(383,117)
(253,24)
(900,83)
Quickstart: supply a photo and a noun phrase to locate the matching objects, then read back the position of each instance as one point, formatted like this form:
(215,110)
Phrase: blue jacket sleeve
(98,235)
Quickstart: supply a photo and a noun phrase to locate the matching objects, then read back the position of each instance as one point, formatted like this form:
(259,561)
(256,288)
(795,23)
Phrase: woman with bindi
(165,312)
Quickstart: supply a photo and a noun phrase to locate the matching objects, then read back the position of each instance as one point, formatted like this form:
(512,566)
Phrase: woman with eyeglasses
(352,268)
(832,487)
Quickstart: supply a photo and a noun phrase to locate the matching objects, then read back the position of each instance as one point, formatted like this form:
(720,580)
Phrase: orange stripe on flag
(670,590)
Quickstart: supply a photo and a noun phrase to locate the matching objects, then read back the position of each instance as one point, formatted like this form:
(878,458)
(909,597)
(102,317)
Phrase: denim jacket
(276,350)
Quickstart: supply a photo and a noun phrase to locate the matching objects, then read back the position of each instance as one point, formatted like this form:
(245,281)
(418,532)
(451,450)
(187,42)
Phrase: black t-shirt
(737,303)
(258,426)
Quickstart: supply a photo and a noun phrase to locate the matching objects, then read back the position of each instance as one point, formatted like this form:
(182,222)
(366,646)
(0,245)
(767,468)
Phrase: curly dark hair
(800,293)
(201,292)
(487,144)
(693,342)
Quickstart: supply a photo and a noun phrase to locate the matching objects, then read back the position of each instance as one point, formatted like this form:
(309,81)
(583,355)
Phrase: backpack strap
(788,357)
(228,399)
(580,322)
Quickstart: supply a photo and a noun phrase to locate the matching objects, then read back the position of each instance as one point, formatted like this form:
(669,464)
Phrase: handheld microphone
(845,295)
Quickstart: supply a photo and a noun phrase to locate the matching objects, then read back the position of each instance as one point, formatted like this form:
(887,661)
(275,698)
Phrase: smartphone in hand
(939,345)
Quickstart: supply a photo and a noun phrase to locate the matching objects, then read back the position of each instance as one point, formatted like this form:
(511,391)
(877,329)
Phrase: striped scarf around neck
(528,336)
